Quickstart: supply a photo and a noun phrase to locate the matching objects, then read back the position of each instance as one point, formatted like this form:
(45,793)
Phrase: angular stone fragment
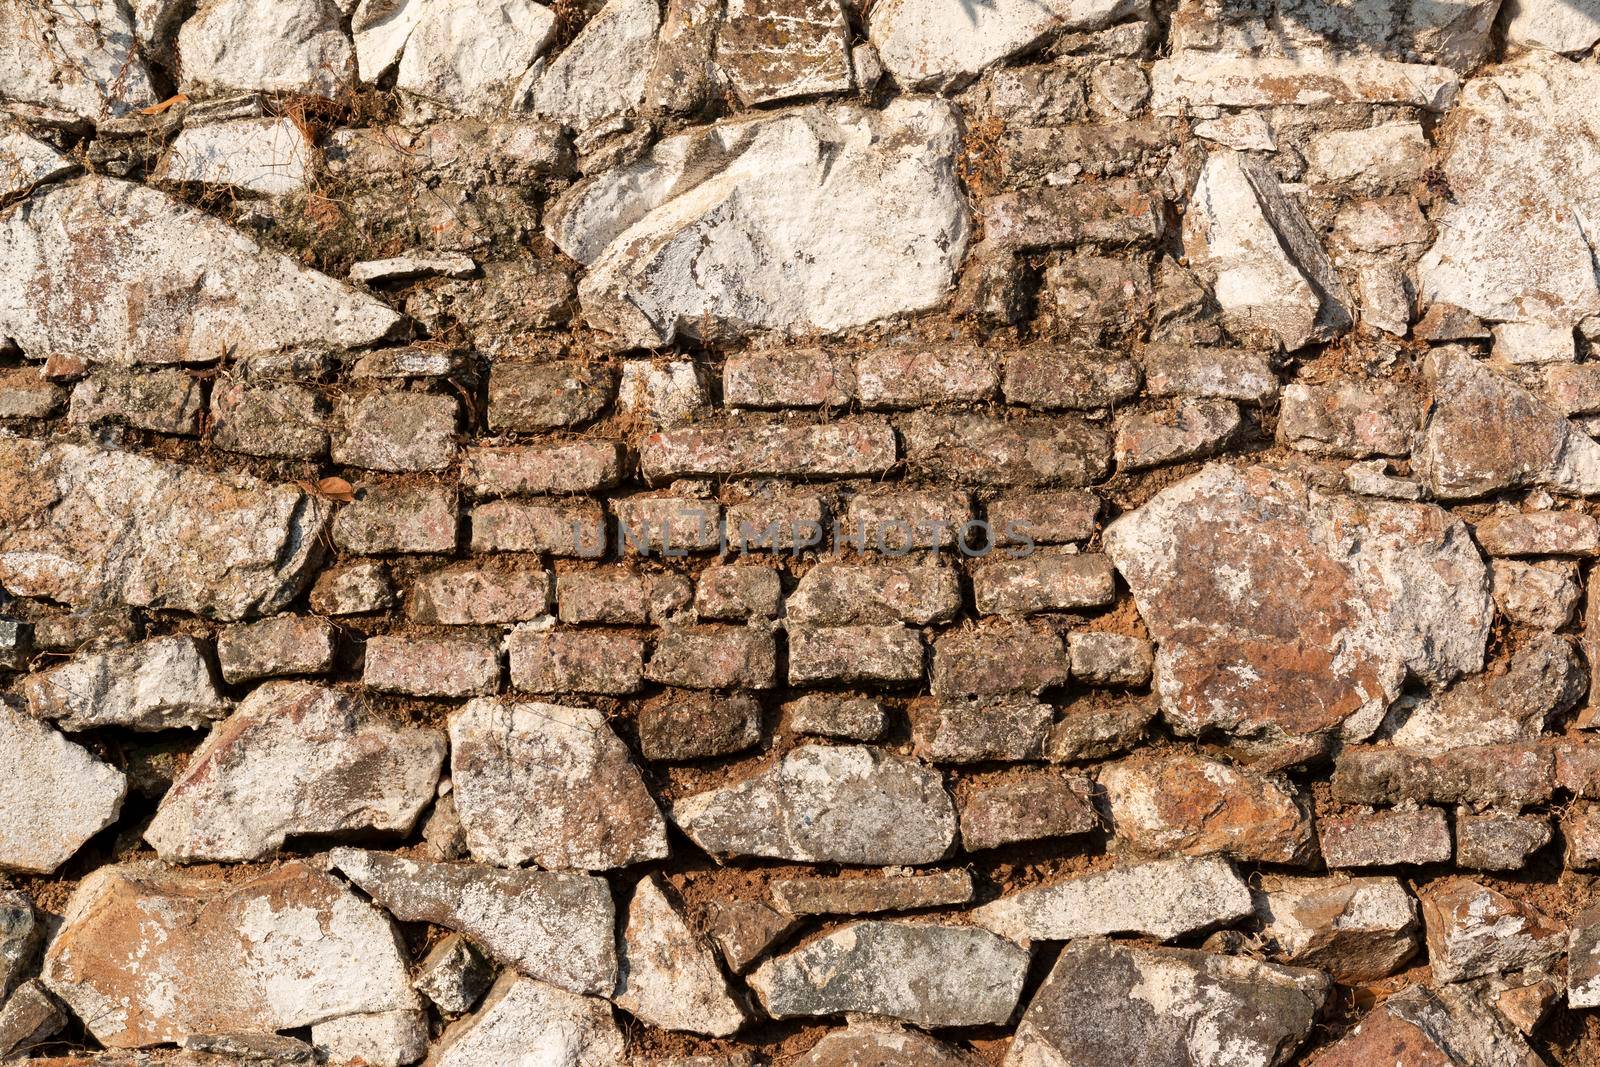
(669,974)
(774,49)
(160,684)
(85,526)
(22,932)
(25,393)
(1109,659)
(520,1017)
(872,893)
(848,447)
(737,594)
(187,287)
(468,56)
(672,394)
(595,812)
(1179,802)
(847,804)
(144,949)
(855,654)
(838,594)
(817,218)
(1043,581)
(453,974)
(548,396)
(352,589)
(398,432)
(1048,517)
(1348,419)
(31,1016)
(1164,899)
(1583,961)
(582,661)
(1385,837)
(1539,533)
(1541,594)
(56,798)
(1275,611)
(744,929)
(1498,841)
(979,450)
(550,926)
(1174,1006)
(268,156)
(1357,929)
(602,73)
(1195,78)
(928,975)
(375,1039)
(1025,805)
(70,60)
(836,715)
(296,758)
(884,1045)
(1268,269)
(1513,245)
(1004,657)
(928,44)
(1532,444)
(160,401)
(240,45)
(1425,1027)
(1474,930)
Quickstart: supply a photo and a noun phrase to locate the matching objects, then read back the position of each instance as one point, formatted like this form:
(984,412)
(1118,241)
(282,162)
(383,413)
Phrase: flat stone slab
(85,526)
(58,796)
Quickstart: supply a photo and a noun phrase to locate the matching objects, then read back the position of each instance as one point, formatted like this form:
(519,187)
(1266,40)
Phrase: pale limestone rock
(925,974)
(1522,158)
(55,797)
(815,218)
(552,926)
(527,1022)
(378,1039)
(26,161)
(1105,1002)
(295,758)
(71,59)
(172,284)
(1164,899)
(268,156)
(1357,929)
(821,804)
(1220,564)
(594,811)
(470,54)
(884,1044)
(161,684)
(287,46)
(669,974)
(89,527)
(936,43)
(1555,25)
(1267,266)
(145,950)
(602,74)
(1193,79)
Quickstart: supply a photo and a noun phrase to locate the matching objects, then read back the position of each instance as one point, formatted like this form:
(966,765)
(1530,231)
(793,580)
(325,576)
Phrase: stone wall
(928,532)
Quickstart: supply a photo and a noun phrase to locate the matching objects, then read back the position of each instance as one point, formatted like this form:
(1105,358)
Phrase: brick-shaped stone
(715,657)
(738,594)
(620,597)
(1110,659)
(1047,517)
(1061,378)
(432,666)
(690,724)
(667,525)
(843,594)
(1385,837)
(276,647)
(1043,581)
(548,396)
(1009,657)
(575,661)
(539,470)
(397,519)
(1025,805)
(163,401)
(788,378)
(912,377)
(472,594)
(854,654)
(397,432)
(274,420)
(846,448)
(554,526)
(982,450)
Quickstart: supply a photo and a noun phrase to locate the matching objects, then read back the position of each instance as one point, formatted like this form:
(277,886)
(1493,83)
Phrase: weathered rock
(465,56)
(166,401)
(855,654)
(1555,27)
(295,758)
(602,73)
(1512,701)
(186,287)
(816,218)
(1357,929)
(397,432)
(1194,78)
(85,526)
(1181,802)
(1532,445)
(1275,610)
(377,1039)
(671,395)
(669,974)
(836,715)
(1348,419)
(924,43)
(848,447)
(453,975)
(1498,841)
(774,49)
(1420,1026)
(31,1016)
(884,1045)
(1047,580)
(522,1018)
(1173,369)
(871,893)
(980,730)
(1195,429)
(72,60)
(297,46)
(25,161)
(1175,1006)
(1164,899)
(160,684)
(144,949)
(827,805)
(744,929)
(1543,594)
(1512,775)
(839,594)
(1385,837)
(352,589)
(1519,164)
(1474,930)
(738,593)
(581,661)
(595,814)
(1025,805)
(57,797)
(1010,657)
(1539,533)
(431,666)
(21,936)
(974,449)
(281,645)
(928,975)
(1109,659)
(715,657)
(551,926)
(695,724)
(1583,961)
(267,156)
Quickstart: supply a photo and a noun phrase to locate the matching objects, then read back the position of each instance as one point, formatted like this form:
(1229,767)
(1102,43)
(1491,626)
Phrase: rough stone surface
(1475,930)
(1356,929)
(521,1016)
(159,684)
(669,974)
(295,758)
(929,975)
(65,797)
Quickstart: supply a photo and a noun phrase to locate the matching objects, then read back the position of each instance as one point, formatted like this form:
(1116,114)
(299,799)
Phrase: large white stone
(1554,25)
(296,758)
(602,73)
(284,46)
(167,283)
(54,794)
(26,161)
(670,976)
(70,58)
(1268,269)
(465,54)
(816,218)
(268,156)
(161,684)
(935,42)
(1522,157)
(529,1023)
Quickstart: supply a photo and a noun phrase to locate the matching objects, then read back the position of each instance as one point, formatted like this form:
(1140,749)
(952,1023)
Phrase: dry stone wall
(919,533)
